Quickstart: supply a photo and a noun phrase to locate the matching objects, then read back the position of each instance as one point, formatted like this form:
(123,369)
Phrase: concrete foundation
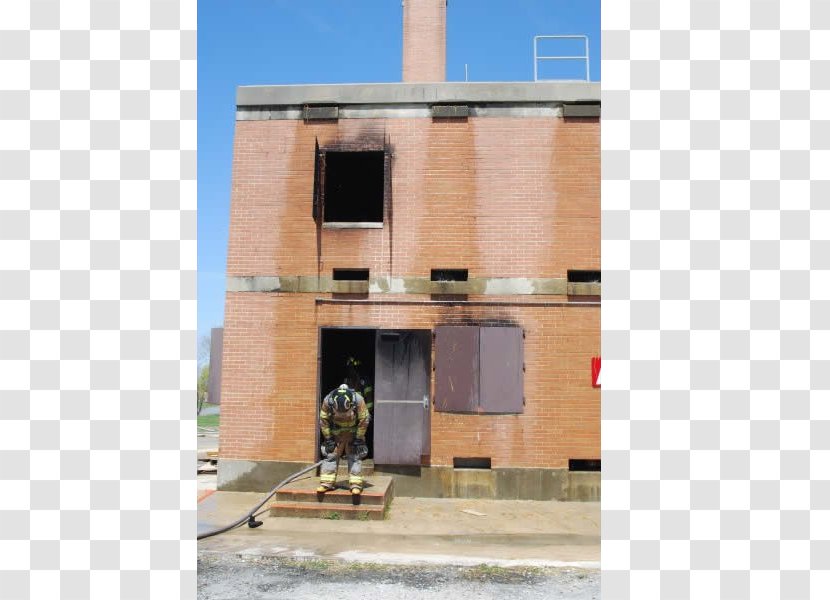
(434,482)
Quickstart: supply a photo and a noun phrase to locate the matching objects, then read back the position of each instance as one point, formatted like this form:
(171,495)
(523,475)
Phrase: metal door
(402,370)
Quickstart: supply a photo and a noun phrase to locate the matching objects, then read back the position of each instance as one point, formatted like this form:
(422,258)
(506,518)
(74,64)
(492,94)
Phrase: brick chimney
(424,40)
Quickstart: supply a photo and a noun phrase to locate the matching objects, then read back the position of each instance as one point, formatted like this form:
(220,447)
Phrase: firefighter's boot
(327,482)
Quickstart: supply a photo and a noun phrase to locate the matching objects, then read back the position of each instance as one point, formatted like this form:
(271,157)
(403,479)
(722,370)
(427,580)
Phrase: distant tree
(202,387)
(203,351)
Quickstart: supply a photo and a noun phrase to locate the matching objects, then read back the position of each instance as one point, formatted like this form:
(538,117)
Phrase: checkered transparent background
(97,299)
(716,309)
(716,299)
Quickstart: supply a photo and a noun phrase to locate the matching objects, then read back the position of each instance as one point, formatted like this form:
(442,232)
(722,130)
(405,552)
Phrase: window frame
(319,186)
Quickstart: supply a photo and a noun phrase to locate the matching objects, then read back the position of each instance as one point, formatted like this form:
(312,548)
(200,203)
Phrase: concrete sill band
(354,225)
(537,303)
(485,286)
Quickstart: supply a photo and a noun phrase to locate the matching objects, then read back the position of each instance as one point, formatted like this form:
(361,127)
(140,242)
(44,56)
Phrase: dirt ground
(224,577)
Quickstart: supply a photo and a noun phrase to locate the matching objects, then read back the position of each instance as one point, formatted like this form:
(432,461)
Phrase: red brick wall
(269,395)
(424,40)
(503,197)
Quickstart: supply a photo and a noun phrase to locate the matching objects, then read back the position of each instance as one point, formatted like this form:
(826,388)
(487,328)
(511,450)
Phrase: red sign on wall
(595,371)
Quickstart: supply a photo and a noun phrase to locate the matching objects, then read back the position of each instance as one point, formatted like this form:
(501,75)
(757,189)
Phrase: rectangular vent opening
(448,275)
(350,274)
(582,464)
(465,462)
(450,111)
(321,112)
(581,276)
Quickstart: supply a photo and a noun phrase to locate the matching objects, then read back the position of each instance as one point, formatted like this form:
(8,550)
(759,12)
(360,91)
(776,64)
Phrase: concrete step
(345,512)
(377,491)
(300,499)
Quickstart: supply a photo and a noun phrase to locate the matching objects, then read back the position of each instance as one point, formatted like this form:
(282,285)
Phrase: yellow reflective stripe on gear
(363,418)
(355,479)
(325,427)
(328,477)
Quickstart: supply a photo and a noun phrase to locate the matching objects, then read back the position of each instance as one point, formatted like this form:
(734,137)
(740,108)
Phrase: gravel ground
(233,577)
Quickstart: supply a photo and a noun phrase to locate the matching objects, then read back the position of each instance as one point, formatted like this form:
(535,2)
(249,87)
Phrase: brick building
(445,234)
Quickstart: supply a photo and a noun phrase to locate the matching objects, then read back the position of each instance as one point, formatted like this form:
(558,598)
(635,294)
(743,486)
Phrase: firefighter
(357,382)
(344,419)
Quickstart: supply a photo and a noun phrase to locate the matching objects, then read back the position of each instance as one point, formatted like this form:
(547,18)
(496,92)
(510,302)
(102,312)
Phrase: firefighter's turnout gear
(329,444)
(344,419)
(357,382)
(360,448)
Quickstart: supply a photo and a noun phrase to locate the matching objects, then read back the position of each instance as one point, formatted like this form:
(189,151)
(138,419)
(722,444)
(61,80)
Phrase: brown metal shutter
(501,370)
(456,369)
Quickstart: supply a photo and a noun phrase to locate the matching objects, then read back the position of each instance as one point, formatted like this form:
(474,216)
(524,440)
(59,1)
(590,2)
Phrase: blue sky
(249,42)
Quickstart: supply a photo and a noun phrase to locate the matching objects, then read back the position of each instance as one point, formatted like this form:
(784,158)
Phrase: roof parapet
(564,92)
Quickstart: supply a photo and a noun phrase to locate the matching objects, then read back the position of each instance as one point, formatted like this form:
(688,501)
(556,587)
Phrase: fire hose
(251,514)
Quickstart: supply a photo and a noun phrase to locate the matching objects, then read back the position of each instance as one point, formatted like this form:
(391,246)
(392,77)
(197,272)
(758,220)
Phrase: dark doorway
(337,346)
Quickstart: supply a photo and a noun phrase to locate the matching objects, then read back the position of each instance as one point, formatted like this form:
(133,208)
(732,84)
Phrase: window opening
(354,185)
(448,275)
(470,463)
(582,464)
(350,274)
(580,276)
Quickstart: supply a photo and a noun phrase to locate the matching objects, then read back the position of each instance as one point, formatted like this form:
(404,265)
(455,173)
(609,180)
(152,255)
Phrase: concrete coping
(563,92)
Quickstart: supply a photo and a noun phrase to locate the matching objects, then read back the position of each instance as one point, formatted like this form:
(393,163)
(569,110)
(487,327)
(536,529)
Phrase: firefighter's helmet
(343,399)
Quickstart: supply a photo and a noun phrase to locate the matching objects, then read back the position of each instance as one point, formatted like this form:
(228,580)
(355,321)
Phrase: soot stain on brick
(368,138)
(464,320)
(450,185)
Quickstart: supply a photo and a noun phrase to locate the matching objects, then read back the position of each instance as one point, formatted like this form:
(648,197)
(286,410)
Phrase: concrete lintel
(397,93)
(492,286)
(403,111)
